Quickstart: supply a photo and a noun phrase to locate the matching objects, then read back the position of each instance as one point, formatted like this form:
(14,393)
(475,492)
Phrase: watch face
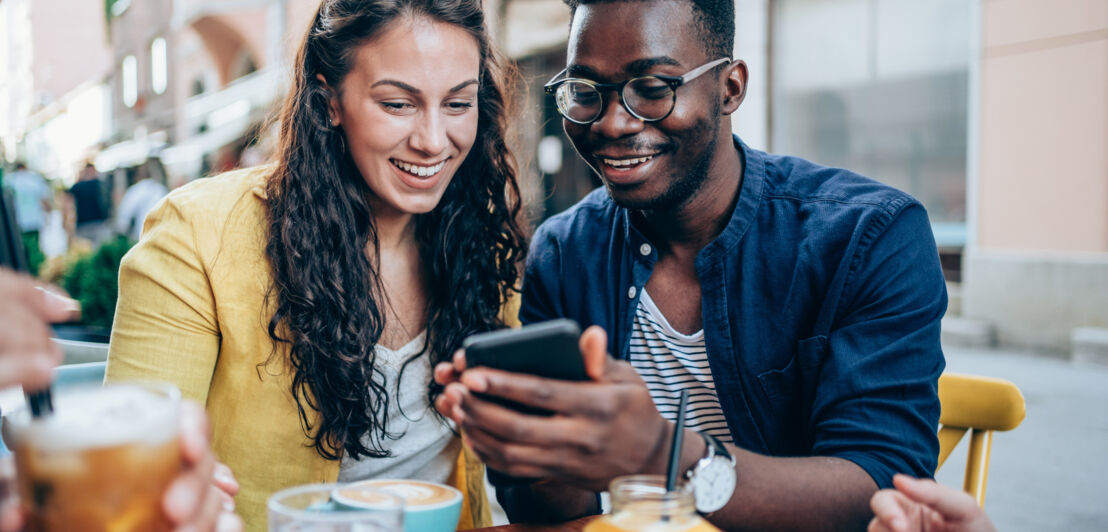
(713,485)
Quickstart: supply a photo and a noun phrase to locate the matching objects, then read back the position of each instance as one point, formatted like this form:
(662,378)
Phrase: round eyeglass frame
(556,86)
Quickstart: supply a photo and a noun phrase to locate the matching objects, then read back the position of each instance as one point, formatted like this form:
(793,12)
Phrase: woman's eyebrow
(414,90)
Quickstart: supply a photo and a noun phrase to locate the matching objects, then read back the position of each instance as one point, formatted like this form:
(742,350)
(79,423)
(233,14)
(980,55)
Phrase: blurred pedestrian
(31,195)
(92,213)
(139,199)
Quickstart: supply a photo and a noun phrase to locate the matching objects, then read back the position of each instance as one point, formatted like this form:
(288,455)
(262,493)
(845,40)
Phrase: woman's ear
(332,101)
(734,86)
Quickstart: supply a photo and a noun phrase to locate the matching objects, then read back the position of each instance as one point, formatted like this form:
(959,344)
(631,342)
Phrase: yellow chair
(978,405)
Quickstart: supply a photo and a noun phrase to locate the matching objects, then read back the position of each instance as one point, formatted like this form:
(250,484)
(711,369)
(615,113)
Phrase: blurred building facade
(53,105)
(194,80)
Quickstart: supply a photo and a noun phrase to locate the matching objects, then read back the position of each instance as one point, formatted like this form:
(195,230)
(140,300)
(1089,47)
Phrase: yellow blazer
(192,311)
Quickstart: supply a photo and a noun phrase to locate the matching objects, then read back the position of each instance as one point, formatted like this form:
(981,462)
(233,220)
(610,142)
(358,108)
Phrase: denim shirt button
(631,293)
(644,249)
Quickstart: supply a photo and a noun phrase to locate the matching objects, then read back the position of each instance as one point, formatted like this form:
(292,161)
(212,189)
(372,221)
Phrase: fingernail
(229,505)
(224,478)
(59,303)
(477,383)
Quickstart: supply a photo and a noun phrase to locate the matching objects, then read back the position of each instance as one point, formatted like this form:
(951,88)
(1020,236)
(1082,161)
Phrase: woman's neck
(395,229)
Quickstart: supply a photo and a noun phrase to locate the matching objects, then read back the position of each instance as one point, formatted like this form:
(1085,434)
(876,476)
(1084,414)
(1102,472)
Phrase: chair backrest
(74,374)
(978,405)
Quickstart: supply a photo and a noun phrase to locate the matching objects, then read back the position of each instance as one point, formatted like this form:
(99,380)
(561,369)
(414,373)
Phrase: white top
(426,448)
(670,362)
(139,199)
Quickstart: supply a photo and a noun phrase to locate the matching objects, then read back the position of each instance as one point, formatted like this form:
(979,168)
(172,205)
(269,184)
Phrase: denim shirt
(820,300)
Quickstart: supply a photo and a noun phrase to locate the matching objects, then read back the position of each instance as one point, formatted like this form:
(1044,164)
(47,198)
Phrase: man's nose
(615,121)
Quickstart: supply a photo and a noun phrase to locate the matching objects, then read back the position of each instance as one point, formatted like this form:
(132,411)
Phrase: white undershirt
(670,362)
(427,448)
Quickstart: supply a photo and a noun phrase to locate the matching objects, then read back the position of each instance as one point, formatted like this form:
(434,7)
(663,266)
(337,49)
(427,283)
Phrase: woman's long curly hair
(328,301)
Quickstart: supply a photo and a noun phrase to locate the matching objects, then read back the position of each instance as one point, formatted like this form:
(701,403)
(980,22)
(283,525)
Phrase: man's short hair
(715,20)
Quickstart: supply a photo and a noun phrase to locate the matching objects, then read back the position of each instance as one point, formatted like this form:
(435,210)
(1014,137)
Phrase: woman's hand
(200,498)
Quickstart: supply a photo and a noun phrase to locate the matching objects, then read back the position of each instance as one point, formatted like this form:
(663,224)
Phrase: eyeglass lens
(648,98)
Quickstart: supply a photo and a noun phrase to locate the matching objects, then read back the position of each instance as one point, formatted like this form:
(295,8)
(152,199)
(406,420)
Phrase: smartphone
(546,349)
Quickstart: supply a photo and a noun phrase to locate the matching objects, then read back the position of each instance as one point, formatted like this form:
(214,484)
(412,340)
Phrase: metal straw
(678,440)
(41,402)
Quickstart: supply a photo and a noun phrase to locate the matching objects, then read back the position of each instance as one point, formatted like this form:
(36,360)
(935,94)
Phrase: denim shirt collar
(750,196)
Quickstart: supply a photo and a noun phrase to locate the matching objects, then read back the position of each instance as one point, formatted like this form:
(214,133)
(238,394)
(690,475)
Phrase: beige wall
(1039,266)
(1044,126)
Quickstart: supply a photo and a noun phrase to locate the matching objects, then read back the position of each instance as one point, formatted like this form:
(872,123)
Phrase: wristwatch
(713,477)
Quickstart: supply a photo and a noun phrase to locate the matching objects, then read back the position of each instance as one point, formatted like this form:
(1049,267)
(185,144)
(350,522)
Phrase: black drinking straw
(678,440)
(41,402)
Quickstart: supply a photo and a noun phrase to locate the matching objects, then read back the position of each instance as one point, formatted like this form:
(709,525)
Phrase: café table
(577,525)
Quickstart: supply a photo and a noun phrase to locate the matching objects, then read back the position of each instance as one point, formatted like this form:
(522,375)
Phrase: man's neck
(687,228)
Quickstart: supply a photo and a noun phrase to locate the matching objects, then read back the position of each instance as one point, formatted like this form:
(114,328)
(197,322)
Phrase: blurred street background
(994,113)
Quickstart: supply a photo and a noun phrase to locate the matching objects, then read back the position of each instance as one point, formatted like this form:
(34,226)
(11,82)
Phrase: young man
(800,305)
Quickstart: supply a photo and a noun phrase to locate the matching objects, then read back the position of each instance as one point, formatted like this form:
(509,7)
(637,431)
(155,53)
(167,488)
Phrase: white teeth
(618,163)
(421,171)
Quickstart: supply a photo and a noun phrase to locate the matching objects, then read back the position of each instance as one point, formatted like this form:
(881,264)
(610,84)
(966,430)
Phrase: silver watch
(713,477)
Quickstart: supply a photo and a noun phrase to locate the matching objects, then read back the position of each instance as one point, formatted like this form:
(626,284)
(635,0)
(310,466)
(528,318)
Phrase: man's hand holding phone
(595,429)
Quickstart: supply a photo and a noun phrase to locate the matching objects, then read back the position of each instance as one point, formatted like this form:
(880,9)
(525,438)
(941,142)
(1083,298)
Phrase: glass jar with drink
(640,503)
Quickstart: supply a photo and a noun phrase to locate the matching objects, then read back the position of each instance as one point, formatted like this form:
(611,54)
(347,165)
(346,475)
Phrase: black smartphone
(546,349)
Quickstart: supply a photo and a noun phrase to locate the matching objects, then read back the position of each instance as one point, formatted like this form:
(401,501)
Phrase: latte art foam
(416,494)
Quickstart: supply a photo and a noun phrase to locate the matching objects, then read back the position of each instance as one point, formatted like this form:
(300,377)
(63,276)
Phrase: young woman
(305,302)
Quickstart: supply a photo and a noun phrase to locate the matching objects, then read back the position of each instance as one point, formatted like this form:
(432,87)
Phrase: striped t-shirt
(670,362)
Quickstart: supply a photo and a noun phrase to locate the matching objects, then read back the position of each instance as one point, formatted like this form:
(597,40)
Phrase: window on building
(159,67)
(129,75)
(879,87)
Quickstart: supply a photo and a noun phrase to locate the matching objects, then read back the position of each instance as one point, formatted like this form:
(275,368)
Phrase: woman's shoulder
(214,201)
(215,209)
(223,191)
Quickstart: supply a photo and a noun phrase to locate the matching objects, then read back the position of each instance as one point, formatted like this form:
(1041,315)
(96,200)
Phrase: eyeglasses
(648,98)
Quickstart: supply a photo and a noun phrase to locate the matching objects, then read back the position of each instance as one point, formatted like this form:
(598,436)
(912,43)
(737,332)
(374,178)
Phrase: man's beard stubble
(683,186)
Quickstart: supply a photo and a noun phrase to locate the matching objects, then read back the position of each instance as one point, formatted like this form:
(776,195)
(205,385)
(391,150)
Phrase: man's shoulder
(794,179)
(583,220)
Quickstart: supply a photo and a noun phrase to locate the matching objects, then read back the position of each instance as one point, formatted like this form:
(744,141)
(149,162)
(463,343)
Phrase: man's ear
(734,87)
(332,101)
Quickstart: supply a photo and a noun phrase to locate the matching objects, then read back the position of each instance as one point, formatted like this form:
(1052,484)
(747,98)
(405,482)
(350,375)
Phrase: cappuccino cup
(428,507)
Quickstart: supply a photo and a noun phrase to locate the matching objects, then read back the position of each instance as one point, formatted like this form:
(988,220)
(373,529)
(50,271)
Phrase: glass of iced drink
(640,503)
(101,462)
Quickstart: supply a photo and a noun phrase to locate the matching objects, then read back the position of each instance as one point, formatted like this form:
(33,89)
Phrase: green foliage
(94,281)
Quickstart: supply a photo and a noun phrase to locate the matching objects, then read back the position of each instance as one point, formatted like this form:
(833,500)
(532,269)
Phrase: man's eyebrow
(640,66)
(634,68)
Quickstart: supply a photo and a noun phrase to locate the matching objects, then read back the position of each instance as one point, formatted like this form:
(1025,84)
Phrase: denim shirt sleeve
(542,279)
(876,403)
